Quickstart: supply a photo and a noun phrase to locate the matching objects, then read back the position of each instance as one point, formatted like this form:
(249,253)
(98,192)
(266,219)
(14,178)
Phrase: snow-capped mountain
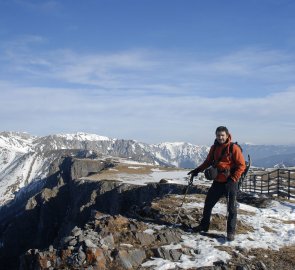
(25,158)
(179,154)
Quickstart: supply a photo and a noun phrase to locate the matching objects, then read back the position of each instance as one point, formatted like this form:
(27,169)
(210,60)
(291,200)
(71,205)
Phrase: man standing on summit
(224,164)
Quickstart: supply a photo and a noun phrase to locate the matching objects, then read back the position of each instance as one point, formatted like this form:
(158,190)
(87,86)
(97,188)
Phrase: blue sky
(149,70)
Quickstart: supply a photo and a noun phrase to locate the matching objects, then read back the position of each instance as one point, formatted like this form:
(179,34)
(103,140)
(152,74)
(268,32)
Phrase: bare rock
(89,244)
(168,254)
(95,256)
(130,259)
(163,181)
(169,236)
(108,241)
(145,239)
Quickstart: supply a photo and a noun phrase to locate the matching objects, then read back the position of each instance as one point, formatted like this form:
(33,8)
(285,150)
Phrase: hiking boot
(230,236)
(200,228)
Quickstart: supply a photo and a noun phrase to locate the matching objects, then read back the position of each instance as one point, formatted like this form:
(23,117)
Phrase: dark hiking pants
(216,191)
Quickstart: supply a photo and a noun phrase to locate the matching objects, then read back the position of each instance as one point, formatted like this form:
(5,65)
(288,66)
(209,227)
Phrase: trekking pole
(190,183)
(227,211)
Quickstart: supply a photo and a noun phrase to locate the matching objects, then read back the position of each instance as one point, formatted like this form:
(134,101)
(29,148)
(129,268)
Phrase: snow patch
(81,136)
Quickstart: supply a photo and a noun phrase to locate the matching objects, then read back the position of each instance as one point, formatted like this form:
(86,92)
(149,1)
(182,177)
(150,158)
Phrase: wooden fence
(280,182)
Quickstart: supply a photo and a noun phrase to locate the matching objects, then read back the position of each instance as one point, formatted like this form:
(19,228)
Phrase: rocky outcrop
(48,215)
(105,242)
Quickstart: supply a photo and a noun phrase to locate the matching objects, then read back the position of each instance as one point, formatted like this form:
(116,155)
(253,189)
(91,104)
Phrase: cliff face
(49,213)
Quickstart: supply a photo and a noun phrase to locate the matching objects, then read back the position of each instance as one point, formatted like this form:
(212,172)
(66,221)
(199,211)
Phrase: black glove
(193,173)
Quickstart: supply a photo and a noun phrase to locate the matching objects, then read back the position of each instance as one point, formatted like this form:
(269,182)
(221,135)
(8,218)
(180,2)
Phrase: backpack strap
(232,146)
(213,152)
(215,162)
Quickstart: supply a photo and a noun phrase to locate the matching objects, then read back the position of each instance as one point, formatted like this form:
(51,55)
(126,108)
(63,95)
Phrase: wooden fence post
(261,184)
(268,176)
(278,183)
(289,183)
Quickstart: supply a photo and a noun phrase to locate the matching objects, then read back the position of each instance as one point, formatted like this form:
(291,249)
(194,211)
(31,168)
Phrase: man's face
(221,137)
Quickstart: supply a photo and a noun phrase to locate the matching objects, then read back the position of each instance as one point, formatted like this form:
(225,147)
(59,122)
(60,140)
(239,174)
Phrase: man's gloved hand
(193,172)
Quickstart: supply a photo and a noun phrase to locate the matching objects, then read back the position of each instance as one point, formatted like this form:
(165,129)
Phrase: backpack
(247,163)
(232,146)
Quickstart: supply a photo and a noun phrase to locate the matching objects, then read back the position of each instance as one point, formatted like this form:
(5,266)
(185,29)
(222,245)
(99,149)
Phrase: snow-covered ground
(280,217)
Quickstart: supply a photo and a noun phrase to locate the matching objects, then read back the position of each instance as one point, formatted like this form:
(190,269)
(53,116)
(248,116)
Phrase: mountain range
(25,158)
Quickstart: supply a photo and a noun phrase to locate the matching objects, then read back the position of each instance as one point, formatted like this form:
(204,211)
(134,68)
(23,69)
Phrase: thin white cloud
(258,64)
(143,70)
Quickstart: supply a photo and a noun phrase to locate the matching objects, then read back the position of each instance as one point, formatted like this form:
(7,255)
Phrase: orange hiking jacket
(233,163)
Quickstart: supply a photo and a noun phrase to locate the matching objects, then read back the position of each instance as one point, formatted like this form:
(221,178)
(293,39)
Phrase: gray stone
(89,244)
(130,259)
(81,256)
(108,241)
(48,264)
(73,242)
(81,238)
(163,181)
(50,248)
(76,231)
(168,254)
(132,227)
(91,233)
(169,236)
(67,239)
(145,239)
